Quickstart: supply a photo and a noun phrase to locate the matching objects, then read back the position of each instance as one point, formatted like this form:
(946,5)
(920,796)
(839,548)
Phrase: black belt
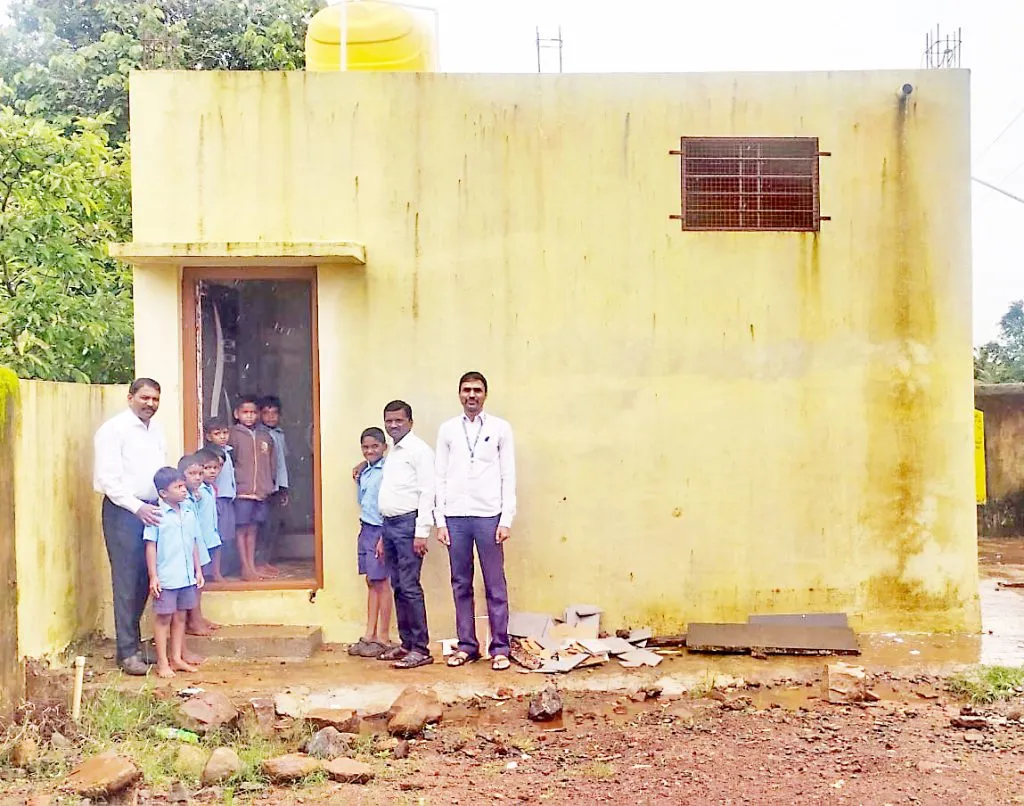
(393,518)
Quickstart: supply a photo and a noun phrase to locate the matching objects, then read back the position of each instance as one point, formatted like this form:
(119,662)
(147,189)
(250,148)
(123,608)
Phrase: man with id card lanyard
(476,501)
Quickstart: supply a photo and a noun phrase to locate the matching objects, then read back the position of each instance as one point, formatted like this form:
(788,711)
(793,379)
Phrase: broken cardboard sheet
(574,613)
(585,627)
(529,625)
(562,664)
(610,646)
(639,657)
(772,639)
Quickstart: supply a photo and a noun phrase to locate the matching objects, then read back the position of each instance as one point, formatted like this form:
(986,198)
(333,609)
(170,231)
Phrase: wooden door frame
(191,407)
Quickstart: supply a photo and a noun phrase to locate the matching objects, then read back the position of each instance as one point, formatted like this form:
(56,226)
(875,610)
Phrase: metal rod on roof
(997,189)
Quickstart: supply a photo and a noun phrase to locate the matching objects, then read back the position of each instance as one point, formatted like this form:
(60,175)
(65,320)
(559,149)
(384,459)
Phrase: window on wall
(744,183)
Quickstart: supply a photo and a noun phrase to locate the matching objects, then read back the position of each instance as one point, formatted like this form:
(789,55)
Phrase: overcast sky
(685,36)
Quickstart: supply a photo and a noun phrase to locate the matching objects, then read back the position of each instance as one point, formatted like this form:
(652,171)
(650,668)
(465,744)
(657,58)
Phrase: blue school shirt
(175,536)
(226,478)
(280,455)
(368,492)
(193,503)
(206,511)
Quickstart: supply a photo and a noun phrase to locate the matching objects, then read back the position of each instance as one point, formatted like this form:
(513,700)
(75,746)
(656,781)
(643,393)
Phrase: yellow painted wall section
(63,573)
(708,424)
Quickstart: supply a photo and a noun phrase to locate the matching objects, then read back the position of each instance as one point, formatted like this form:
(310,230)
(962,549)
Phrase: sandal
(460,658)
(499,663)
(358,647)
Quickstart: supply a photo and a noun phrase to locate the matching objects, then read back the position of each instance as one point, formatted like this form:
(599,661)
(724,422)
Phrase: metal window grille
(744,183)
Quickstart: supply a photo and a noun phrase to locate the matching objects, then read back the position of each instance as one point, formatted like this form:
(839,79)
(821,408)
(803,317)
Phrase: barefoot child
(270,533)
(172,559)
(255,463)
(195,468)
(192,469)
(371,549)
(209,514)
(217,435)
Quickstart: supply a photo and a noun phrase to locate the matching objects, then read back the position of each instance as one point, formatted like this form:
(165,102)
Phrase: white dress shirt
(127,456)
(476,469)
(408,483)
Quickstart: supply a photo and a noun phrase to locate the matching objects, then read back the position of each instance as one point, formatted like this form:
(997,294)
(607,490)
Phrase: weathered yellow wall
(63,573)
(708,424)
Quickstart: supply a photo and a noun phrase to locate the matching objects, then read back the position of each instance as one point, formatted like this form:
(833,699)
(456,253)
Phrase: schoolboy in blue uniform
(175,576)
(371,548)
(218,432)
(204,504)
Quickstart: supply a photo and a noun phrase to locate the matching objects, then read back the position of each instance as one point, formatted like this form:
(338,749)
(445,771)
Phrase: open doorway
(253,332)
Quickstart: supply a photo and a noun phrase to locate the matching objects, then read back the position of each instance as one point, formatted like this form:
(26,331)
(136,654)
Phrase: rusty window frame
(749,184)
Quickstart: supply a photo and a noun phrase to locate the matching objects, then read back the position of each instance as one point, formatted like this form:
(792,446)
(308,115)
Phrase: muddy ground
(769,744)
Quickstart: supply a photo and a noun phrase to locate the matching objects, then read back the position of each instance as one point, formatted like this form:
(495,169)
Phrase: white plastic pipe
(76,697)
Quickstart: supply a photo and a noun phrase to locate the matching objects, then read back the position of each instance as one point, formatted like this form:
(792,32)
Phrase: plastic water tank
(381,36)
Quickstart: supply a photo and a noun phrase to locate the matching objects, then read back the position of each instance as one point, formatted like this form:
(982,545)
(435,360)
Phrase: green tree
(65,307)
(1002,360)
(64,59)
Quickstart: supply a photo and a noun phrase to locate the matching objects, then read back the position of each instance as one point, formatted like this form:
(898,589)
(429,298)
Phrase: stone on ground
(344,720)
(401,750)
(58,741)
(290,767)
(25,752)
(208,711)
(224,763)
(844,683)
(545,705)
(102,776)
(190,761)
(258,717)
(348,771)
(412,711)
(328,743)
(178,793)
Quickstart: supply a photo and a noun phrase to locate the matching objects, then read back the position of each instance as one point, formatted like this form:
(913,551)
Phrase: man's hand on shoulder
(148,514)
(358,469)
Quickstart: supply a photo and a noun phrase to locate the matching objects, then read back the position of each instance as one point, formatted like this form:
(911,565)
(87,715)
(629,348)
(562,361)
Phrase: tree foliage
(65,308)
(1002,360)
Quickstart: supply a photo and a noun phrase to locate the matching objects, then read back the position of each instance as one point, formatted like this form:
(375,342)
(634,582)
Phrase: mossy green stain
(9,395)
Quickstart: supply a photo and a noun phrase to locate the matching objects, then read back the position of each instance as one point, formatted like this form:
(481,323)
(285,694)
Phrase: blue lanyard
(465,433)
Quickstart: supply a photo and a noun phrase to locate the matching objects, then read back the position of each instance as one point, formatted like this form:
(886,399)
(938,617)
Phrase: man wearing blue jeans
(406,501)
(476,501)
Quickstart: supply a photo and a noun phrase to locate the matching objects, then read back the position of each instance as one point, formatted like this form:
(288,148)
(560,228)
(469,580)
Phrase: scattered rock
(545,705)
(25,752)
(344,720)
(178,793)
(845,683)
(208,711)
(928,767)
(969,722)
(682,712)
(58,741)
(290,767)
(737,703)
(224,763)
(349,771)
(412,711)
(258,717)
(974,737)
(401,749)
(102,776)
(287,705)
(328,743)
(190,761)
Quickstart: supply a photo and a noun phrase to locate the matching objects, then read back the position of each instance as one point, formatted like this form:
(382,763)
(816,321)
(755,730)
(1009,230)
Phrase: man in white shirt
(476,501)
(129,449)
(406,502)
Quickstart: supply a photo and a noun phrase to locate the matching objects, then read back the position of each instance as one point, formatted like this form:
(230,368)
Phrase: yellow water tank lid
(368,21)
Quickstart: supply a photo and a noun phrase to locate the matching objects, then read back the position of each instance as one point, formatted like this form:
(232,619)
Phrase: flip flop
(499,663)
(460,658)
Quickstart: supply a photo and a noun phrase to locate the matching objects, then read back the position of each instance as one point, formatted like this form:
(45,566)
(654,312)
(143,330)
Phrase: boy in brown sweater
(254,458)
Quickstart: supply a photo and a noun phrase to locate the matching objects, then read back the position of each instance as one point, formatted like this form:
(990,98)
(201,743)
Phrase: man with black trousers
(129,449)
(406,503)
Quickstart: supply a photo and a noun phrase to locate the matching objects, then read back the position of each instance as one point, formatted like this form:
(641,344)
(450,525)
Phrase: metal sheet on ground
(809,619)
(771,639)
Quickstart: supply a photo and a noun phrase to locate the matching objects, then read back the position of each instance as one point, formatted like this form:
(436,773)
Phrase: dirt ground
(767,738)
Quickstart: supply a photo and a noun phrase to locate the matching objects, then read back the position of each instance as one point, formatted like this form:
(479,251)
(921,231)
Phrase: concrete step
(258,641)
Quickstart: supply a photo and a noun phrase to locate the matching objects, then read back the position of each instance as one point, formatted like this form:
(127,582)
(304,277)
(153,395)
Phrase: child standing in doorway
(370,551)
(218,434)
(175,576)
(270,421)
(255,464)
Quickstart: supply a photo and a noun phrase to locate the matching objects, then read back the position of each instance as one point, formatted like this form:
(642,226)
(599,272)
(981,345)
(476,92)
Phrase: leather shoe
(395,653)
(135,666)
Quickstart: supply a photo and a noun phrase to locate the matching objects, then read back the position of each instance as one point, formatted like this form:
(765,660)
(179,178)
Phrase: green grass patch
(986,684)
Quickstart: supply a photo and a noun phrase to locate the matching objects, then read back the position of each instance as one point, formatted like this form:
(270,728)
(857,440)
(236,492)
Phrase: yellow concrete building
(761,404)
